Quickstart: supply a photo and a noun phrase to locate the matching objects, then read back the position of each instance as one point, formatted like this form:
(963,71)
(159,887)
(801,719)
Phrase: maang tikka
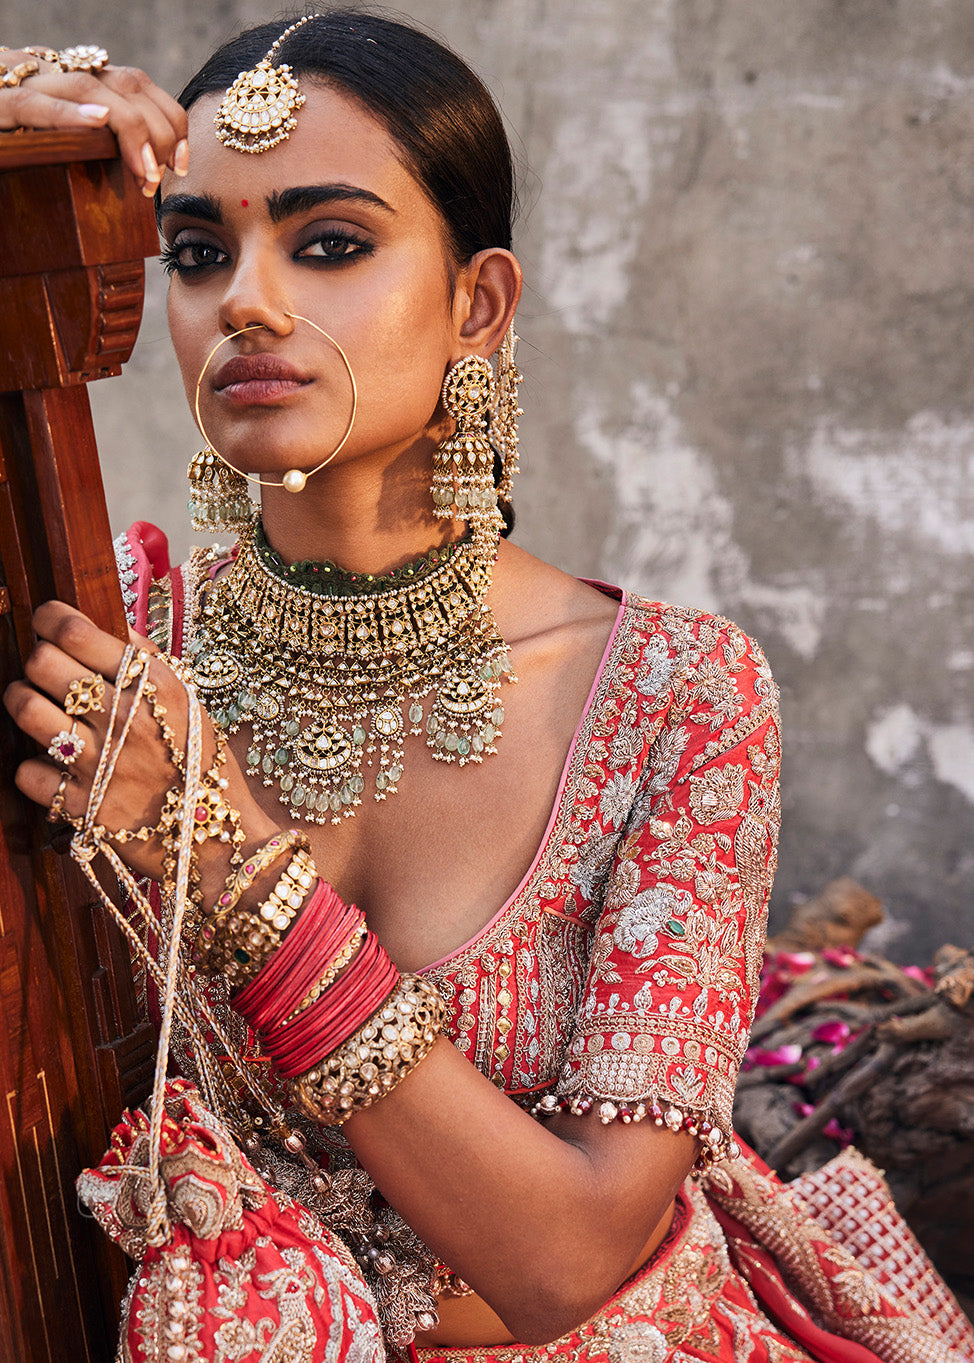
(485,411)
(258,109)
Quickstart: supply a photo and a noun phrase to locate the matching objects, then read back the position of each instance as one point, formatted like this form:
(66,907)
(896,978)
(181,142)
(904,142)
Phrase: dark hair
(440,114)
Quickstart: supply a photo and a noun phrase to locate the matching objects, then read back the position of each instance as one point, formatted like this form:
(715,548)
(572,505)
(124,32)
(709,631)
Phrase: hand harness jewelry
(332,670)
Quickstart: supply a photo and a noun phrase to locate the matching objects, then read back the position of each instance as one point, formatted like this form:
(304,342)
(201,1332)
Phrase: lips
(258,378)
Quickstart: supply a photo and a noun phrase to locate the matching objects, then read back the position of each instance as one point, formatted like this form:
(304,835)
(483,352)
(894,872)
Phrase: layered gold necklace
(331,670)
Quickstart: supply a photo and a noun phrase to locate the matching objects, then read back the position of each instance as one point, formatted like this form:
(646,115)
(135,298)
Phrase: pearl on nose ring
(294,480)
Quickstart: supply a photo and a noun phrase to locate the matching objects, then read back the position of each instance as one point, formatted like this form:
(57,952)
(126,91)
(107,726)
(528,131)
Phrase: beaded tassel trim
(715,1144)
(330,684)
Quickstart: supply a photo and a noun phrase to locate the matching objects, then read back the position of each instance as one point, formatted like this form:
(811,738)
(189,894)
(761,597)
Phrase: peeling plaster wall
(750,372)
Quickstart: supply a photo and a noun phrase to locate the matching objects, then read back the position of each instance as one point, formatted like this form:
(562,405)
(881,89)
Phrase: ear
(486,296)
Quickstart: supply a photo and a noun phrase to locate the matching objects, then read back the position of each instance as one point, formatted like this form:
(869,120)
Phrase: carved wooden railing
(74,231)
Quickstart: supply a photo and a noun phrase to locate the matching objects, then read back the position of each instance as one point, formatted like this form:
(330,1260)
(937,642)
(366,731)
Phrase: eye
(186,257)
(335,245)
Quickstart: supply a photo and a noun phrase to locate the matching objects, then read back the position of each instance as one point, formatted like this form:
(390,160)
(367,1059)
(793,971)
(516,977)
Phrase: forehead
(336,141)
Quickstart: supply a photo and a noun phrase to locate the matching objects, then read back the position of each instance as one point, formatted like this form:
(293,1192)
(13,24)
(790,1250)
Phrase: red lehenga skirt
(756,1271)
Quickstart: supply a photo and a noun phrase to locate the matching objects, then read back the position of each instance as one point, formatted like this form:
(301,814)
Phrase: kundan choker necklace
(331,670)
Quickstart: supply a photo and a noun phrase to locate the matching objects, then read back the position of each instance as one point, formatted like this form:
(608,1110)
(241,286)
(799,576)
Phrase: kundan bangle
(376,1058)
(239,941)
(279,986)
(262,860)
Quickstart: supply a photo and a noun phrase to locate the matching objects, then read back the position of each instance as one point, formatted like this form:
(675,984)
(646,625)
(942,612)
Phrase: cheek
(406,348)
(186,345)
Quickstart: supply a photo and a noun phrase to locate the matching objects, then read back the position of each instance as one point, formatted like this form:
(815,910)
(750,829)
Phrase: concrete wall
(750,369)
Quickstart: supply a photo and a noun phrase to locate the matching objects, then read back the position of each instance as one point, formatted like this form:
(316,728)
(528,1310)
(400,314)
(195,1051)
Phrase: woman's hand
(70,649)
(149,124)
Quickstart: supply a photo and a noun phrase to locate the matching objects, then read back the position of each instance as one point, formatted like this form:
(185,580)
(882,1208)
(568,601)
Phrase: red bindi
(244,203)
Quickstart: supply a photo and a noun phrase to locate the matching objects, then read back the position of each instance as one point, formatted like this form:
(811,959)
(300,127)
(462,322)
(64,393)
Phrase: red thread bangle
(293,964)
(365,984)
(293,1063)
(323,1026)
(292,952)
(306,965)
(269,974)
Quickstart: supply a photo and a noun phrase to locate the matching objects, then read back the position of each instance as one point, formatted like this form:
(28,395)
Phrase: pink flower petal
(840,956)
(834,1032)
(795,961)
(783,1055)
(842,1134)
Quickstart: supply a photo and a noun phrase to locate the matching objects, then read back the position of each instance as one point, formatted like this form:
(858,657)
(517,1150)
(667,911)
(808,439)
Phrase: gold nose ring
(294,480)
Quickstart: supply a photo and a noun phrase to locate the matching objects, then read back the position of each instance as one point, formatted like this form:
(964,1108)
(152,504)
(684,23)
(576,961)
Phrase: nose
(254,297)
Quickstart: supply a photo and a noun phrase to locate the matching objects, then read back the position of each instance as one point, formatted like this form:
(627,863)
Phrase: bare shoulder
(533,601)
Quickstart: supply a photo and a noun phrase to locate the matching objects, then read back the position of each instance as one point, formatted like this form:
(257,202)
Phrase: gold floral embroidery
(847,1300)
(625,967)
(717,795)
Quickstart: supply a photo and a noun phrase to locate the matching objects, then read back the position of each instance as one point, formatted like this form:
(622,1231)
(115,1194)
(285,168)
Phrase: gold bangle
(262,860)
(376,1058)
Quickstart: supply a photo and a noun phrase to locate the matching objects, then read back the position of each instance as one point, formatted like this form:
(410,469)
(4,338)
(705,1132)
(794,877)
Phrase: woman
(579,863)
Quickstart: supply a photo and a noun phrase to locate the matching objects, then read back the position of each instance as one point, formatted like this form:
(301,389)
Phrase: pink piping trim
(608,590)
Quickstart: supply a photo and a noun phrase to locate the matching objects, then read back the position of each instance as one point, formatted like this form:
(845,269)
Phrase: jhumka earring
(257,111)
(218,495)
(486,415)
(503,426)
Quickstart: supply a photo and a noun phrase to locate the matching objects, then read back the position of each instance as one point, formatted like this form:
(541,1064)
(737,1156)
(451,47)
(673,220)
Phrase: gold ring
(11,77)
(85,696)
(56,812)
(84,57)
(67,746)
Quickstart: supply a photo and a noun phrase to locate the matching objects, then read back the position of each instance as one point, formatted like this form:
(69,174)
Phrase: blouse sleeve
(672,980)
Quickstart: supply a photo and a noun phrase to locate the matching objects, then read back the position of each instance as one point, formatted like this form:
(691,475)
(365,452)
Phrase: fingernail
(94,113)
(149,188)
(180,160)
(152,171)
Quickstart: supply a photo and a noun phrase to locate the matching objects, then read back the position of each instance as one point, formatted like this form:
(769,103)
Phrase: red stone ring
(66,746)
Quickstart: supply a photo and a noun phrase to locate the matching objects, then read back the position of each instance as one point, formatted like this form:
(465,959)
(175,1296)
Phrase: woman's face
(328,225)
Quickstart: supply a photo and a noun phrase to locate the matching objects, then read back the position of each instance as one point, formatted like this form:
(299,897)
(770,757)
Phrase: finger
(30,106)
(148,124)
(89,648)
(39,781)
(176,120)
(44,722)
(51,670)
(139,641)
(147,135)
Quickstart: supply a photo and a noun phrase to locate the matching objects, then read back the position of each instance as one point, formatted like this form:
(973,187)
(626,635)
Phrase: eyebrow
(283,205)
(302,197)
(202,206)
